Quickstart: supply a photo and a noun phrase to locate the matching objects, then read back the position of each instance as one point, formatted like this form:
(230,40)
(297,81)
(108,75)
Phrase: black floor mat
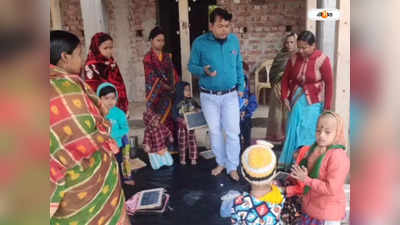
(195,193)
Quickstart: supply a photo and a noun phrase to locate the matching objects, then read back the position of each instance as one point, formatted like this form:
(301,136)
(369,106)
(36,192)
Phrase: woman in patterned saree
(84,179)
(161,78)
(277,113)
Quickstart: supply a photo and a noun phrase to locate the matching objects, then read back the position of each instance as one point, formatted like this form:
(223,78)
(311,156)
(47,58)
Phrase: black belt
(217,92)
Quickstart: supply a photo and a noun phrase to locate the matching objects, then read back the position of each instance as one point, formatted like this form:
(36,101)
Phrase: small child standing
(108,95)
(263,205)
(155,140)
(186,138)
(248,105)
(323,172)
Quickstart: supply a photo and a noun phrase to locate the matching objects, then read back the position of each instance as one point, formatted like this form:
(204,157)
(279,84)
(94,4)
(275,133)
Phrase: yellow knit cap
(258,162)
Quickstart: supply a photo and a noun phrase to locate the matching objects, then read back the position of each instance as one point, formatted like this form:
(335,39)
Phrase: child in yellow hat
(264,203)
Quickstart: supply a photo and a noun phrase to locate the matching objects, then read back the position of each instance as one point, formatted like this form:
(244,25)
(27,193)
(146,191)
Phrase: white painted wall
(326,32)
(93,19)
(120,31)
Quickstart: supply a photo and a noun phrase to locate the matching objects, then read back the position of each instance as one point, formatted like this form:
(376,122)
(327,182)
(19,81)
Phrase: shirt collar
(211,36)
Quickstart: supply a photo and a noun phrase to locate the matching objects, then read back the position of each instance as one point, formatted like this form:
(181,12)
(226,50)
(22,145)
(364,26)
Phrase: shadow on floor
(195,193)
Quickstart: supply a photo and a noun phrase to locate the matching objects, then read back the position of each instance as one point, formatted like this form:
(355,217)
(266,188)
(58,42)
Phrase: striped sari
(277,113)
(84,179)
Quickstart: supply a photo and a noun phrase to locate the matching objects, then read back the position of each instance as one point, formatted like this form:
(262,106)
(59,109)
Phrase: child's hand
(182,121)
(171,139)
(246,102)
(299,173)
(242,114)
(146,148)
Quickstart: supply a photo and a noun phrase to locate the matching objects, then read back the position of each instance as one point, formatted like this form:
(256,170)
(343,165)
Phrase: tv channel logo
(324,14)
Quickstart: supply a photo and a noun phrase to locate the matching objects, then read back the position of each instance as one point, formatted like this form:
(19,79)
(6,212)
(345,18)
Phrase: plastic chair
(258,84)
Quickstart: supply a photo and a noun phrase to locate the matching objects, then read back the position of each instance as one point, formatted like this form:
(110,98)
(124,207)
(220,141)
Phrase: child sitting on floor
(119,126)
(322,174)
(248,105)
(184,103)
(155,140)
(263,205)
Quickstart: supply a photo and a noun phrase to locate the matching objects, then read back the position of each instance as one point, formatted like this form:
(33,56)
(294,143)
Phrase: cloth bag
(157,160)
(227,203)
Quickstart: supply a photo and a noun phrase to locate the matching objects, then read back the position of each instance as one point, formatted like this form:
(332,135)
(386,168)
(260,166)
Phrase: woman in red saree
(101,67)
(161,78)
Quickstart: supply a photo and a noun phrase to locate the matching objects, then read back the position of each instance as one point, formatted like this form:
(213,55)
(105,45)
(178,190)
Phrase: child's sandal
(194,162)
(183,162)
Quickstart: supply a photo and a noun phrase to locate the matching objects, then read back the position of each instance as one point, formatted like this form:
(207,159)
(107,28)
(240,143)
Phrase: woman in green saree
(85,187)
(277,115)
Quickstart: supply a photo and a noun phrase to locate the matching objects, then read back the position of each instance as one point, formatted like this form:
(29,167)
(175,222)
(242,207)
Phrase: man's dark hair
(61,41)
(222,13)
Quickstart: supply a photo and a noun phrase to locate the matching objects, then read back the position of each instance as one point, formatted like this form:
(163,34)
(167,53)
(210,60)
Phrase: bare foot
(217,170)
(194,162)
(183,162)
(234,175)
(130,182)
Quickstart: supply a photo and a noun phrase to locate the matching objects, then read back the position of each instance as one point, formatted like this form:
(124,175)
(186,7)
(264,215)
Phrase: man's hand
(208,72)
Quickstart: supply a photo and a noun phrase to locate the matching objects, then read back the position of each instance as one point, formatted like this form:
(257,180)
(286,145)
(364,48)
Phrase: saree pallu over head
(338,143)
(159,74)
(278,66)
(99,69)
(84,180)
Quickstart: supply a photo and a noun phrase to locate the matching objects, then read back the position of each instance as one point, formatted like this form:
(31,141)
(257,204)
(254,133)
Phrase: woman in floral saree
(161,78)
(84,183)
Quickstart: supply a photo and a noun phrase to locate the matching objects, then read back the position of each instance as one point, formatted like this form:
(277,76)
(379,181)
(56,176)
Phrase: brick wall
(144,16)
(266,24)
(72,18)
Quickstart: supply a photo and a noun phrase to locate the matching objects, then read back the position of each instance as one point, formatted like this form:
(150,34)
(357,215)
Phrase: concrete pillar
(310,24)
(326,32)
(123,38)
(93,19)
(185,39)
(342,69)
(55,13)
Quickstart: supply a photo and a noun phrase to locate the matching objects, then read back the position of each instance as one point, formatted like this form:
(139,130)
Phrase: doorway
(198,18)
(168,19)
